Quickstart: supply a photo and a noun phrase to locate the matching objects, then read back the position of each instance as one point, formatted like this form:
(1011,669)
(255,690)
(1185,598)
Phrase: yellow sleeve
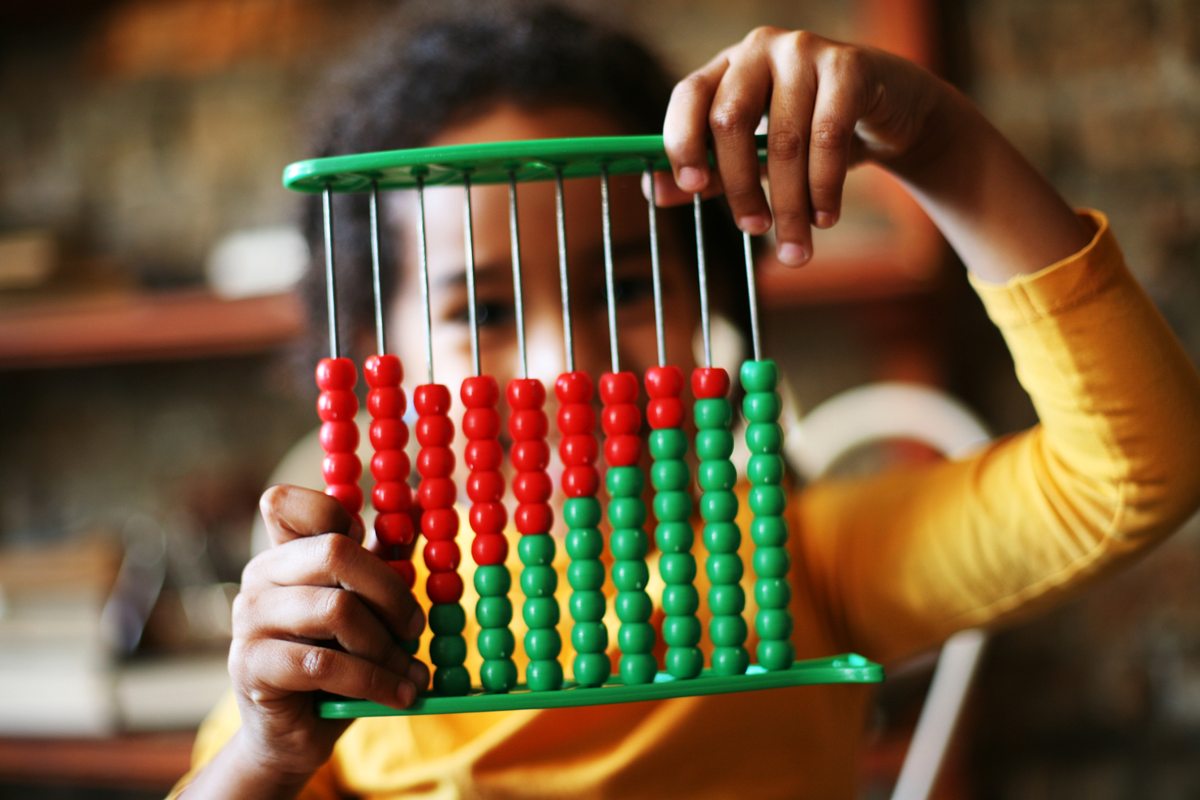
(904,560)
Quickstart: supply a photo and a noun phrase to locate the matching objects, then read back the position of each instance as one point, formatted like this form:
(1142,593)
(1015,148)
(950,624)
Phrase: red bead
(531,455)
(532,487)
(525,393)
(620,387)
(434,431)
(576,418)
(442,555)
(622,451)
(573,387)
(386,403)
(621,418)
(488,518)
(439,523)
(582,481)
(341,468)
(431,398)
(393,529)
(483,454)
(664,381)
(481,423)
(390,465)
(578,450)
(348,494)
(482,391)
(391,497)
(533,518)
(484,486)
(444,587)
(383,371)
(528,423)
(709,382)
(435,462)
(665,412)
(336,405)
(489,549)
(388,434)
(405,570)
(335,374)
(437,493)
(339,437)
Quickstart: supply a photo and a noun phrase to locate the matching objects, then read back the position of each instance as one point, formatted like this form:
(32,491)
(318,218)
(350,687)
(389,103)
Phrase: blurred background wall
(138,136)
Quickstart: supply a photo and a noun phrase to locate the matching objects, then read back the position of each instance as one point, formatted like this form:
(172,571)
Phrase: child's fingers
(667,193)
(291,512)
(839,105)
(788,134)
(685,127)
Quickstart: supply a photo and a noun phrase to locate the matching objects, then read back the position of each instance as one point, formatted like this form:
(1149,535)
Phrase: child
(885,567)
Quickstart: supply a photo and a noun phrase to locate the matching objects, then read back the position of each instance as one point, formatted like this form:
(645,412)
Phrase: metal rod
(702,269)
(330,277)
(518,298)
(563,280)
(753,296)
(423,263)
(656,272)
(380,339)
(608,269)
(469,247)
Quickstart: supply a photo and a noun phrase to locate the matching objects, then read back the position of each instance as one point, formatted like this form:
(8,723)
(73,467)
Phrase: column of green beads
(673,508)
(718,507)
(773,622)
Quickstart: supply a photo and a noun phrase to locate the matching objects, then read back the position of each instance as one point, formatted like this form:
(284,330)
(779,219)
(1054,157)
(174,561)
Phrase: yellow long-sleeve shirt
(885,567)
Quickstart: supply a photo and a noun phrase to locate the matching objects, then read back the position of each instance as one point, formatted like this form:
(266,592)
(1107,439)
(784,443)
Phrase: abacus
(637,676)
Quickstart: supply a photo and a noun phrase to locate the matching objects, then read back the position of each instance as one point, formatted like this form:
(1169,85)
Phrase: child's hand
(317,611)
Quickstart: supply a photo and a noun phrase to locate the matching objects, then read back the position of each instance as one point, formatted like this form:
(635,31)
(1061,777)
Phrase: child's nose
(544,349)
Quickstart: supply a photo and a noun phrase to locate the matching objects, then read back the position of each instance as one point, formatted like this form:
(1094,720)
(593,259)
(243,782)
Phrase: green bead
(680,601)
(536,550)
(496,643)
(630,576)
(718,506)
(629,543)
(589,637)
(492,580)
(715,476)
(498,676)
(722,537)
(633,606)
(773,623)
(674,537)
(638,668)
(677,568)
(668,444)
(772,592)
(685,662)
(727,631)
(714,445)
(627,512)
(585,575)
(540,612)
(448,650)
(542,643)
(539,581)
(624,481)
(723,568)
(588,606)
(668,475)
(544,676)
(636,637)
(765,469)
(585,542)
(453,681)
(725,601)
(712,413)
(771,562)
(776,654)
(681,631)
(493,612)
(761,407)
(447,618)
(759,376)
(769,531)
(591,669)
(767,501)
(764,437)
(730,660)
(581,512)
(672,505)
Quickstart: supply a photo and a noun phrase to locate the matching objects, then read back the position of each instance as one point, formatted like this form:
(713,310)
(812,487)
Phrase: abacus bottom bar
(846,668)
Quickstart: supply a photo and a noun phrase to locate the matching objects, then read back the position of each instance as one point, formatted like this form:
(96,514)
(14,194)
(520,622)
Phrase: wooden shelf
(140,326)
(152,761)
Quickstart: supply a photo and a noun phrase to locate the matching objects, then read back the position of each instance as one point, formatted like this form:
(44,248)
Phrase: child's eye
(487,314)
(632,290)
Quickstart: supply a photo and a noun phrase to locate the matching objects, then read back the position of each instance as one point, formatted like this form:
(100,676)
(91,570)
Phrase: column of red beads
(337,406)
(439,524)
